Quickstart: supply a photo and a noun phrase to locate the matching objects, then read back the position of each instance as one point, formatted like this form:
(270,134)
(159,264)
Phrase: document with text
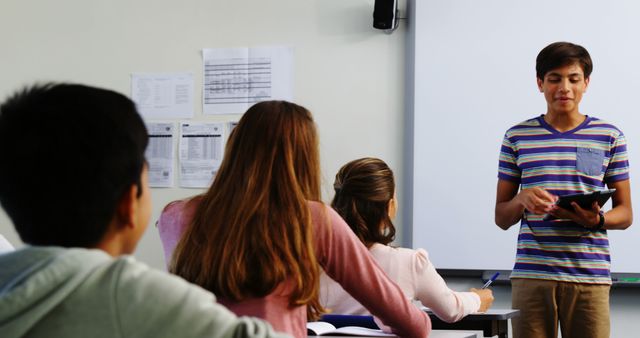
(201,150)
(166,95)
(160,154)
(236,78)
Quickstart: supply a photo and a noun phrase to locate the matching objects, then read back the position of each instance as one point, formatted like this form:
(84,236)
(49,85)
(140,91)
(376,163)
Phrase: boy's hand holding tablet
(583,209)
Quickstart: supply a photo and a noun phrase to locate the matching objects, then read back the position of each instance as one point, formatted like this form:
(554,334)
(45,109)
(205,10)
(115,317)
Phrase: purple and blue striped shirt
(534,154)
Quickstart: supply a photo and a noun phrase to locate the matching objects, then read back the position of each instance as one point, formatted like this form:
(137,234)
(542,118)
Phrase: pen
(486,285)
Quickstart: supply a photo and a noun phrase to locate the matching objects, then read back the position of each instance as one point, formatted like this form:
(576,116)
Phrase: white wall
(346,72)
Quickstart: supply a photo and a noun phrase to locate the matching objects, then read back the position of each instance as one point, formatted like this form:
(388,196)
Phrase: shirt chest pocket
(589,161)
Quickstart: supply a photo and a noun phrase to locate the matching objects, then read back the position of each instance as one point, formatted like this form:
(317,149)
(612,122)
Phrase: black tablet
(584,200)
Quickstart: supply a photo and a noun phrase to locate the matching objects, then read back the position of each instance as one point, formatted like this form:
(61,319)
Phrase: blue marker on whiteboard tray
(495,275)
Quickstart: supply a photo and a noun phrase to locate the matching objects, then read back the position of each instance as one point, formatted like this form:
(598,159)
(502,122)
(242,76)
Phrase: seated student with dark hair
(73,180)
(365,198)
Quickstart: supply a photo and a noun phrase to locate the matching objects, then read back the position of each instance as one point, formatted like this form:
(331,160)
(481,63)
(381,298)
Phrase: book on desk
(327,329)
(494,322)
(342,325)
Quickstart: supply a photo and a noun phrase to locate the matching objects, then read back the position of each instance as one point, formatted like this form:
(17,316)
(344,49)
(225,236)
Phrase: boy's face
(563,88)
(145,199)
(142,212)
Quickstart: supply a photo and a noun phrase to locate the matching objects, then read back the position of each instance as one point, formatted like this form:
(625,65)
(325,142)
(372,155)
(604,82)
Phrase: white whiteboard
(474,77)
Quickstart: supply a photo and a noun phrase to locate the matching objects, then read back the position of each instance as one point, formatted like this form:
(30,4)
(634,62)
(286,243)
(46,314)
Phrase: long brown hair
(252,230)
(363,189)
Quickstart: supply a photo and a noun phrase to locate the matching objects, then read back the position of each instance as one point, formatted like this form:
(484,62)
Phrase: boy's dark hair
(560,54)
(69,153)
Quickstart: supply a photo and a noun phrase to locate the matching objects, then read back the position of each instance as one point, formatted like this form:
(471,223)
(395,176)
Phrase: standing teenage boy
(561,273)
(73,180)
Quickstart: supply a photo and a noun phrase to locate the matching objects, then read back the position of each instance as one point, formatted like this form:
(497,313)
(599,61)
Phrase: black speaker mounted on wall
(384,14)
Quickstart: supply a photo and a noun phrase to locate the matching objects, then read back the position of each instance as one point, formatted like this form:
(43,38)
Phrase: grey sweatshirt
(57,292)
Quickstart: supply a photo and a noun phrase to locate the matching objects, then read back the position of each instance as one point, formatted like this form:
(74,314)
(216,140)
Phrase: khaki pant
(581,309)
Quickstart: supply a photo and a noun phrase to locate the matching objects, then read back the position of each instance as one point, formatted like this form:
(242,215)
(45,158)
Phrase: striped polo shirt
(534,154)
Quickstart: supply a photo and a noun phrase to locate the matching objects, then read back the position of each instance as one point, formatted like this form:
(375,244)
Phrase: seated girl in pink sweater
(259,236)
(365,198)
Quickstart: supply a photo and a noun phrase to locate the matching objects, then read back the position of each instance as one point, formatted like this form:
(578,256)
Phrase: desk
(454,334)
(434,334)
(490,323)
(493,322)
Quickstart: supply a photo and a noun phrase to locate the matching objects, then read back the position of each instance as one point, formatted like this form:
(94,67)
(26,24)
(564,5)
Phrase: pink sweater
(340,254)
